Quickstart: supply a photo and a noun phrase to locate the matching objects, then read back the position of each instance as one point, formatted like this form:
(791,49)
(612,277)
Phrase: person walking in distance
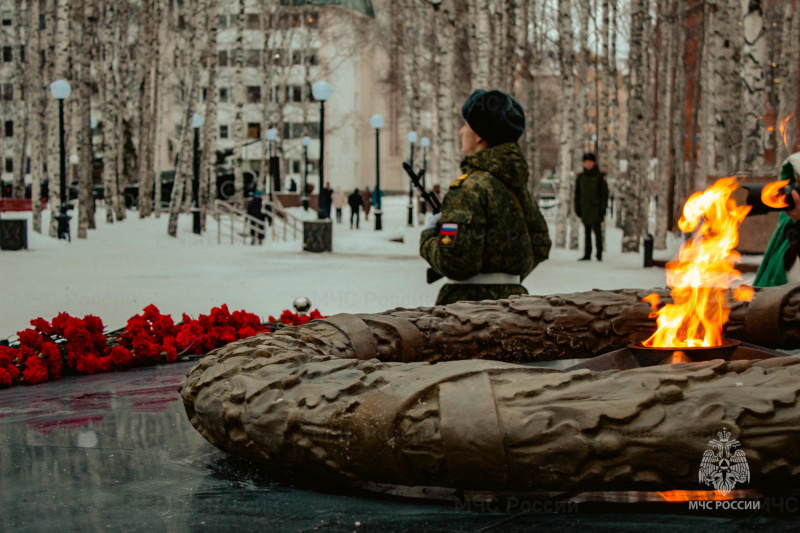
(356,203)
(339,199)
(591,200)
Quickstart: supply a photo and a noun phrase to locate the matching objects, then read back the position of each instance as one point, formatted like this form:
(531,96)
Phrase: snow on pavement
(123,267)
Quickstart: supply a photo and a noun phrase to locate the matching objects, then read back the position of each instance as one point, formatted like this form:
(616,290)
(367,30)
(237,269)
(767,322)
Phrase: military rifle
(433,203)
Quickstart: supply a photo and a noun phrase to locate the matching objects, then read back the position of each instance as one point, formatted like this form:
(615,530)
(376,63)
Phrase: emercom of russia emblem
(724,468)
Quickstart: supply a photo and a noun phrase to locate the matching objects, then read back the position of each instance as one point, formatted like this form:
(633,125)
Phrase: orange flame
(785,129)
(694,496)
(772,194)
(701,277)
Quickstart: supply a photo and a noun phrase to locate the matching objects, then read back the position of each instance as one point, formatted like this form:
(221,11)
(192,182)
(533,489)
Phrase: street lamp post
(425,142)
(197,123)
(377,122)
(61,90)
(272,136)
(412,139)
(321,91)
(304,198)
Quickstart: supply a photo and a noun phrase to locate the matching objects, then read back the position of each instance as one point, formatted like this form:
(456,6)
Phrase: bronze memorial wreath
(438,398)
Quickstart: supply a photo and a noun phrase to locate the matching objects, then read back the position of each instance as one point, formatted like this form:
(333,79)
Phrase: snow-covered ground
(123,267)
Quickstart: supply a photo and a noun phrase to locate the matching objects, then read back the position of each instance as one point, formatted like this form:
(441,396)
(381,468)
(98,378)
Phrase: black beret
(495,116)
(589,156)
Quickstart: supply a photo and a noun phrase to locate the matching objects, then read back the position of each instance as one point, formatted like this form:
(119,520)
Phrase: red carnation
(31,338)
(35,372)
(122,357)
(5,378)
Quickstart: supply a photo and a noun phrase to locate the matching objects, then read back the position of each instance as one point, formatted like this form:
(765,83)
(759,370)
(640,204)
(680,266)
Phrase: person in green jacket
(490,233)
(591,200)
(780,263)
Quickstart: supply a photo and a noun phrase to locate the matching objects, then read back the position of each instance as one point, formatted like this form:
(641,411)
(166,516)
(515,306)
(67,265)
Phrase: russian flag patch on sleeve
(448,234)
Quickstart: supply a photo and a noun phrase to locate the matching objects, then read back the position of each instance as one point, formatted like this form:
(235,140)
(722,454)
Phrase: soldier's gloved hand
(431,221)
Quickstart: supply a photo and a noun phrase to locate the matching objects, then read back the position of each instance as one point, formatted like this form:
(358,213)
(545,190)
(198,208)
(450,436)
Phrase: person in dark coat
(490,234)
(356,202)
(591,200)
(255,210)
(326,199)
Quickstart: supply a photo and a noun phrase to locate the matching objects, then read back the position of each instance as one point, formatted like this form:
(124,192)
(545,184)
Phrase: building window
(312,129)
(253,130)
(296,166)
(296,22)
(297,58)
(252,58)
(22,54)
(8,91)
(181,22)
(223,95)
(8,57)
(205,93)
(312,58)
(223,131)
(9,128)
(6,22)
(222,58)
(253,94)
(253,21)
(312,19)
(297,94)
(9,164)
(283,22)
(223,22)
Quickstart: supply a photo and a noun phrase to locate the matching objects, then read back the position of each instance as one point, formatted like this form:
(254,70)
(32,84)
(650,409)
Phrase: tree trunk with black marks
(566,56)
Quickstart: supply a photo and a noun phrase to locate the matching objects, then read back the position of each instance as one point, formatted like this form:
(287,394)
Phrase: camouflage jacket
(489,221)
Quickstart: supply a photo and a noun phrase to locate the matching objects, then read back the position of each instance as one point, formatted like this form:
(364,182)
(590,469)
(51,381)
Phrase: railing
(274,210)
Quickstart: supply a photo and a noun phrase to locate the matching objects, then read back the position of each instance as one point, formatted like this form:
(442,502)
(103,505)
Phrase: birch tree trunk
(208,177)
(612,97)
(157,135)
(20,104)
(60,62)
(727,114)
(510,45)
(666,173)
(446,113)
(566,56)
(788,76)
(754,85)
(82,33)
(121,72)
(183,170)
(602,122)
(108,95)
(634,222)
(36,100)
(532,62)
(708,87)
(698,87)
(238,99)
(145,174)
(50,141)
(482,45)
(579,141)
(679,190)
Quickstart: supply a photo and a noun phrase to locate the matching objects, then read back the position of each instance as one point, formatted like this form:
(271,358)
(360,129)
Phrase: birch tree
(579,140)
(679,191)
(60,54)
(445,108)
(566,56)
(183,169)
(37,104)
(208,176)
(238,100)
(633,221)
(482,44)
(82,30)
(754,86)
(20,31)
(790,55)
(664,135)
(146,149)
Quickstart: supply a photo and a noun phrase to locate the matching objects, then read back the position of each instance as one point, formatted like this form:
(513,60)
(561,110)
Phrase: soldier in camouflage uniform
(490,234)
